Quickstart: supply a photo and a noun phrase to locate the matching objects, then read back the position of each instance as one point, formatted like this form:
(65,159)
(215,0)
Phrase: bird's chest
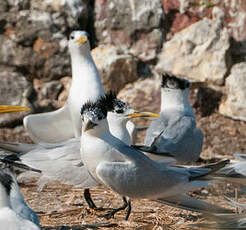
(93,152)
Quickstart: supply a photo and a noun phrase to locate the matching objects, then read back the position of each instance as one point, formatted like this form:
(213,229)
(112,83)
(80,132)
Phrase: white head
(176,86)
(174,94)
(78,42)
(94,119)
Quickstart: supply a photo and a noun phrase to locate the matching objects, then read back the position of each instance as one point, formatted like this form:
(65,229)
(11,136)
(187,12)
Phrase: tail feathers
(151,149)
(17,147)
(202,171)
(188,203)
(217,166)
(231,221)
(14,163)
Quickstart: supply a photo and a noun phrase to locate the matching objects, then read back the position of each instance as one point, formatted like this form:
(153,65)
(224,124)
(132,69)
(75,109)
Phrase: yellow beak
(142,114)
(82,39)
(11,108)
(198,84)
(89,125)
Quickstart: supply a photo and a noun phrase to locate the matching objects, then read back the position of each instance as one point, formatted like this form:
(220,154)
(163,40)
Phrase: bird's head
(119,110)
(93,116)
(79,42)
(170,83)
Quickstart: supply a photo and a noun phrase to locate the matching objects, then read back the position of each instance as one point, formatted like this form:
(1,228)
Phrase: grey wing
(61,164)
(237,170)
(50,127)
(156,127)
(124,179)
(182,139)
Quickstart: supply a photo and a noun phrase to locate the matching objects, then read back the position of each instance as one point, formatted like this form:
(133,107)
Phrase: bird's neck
(175,100)
(4,198)
(98,132)
(118,129)
(85,73)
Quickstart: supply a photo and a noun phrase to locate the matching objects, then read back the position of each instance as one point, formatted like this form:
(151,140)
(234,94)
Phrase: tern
(64,123)
(132,174)
(62,161)
(15,214)
(175,133)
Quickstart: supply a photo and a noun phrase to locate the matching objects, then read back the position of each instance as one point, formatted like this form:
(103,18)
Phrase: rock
(15,90)
(144,94)
(66,83)
(234,105)
(115,67)
(179,14)
(34,34)
(123,23)
(199,52)
(47,92)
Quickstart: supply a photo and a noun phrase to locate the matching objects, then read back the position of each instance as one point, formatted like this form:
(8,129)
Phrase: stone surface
(15,90)
(144,94)
(47,93)
(66,83)
(33,35)
(234,105)
(199,52)
(115,67)
(182,13)
(123,23)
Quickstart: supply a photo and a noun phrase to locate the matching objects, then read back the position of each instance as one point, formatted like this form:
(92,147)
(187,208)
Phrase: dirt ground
(58,205)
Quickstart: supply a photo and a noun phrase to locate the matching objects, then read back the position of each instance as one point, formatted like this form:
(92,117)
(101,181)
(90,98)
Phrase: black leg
(111,213)
(128,210)
(88,199)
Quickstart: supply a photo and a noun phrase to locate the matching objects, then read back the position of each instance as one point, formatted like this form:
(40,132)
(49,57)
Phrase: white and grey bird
(15,214)
(174,133)
(130,173)
(62,161)
(64,123)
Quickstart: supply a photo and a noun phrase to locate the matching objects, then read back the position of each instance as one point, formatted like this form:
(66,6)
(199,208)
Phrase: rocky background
(133,42)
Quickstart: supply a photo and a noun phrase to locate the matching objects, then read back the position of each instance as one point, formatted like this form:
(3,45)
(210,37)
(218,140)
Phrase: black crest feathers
(107,101)
(173,82)
(6,180)
(87,107)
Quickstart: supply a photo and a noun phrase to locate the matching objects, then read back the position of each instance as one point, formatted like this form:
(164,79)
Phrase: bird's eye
(71,37)
(119,111)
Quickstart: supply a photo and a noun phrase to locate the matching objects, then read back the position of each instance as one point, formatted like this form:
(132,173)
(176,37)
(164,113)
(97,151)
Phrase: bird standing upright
(175,133)
(64,123)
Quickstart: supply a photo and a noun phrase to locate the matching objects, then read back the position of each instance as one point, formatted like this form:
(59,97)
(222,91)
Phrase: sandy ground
(58,205)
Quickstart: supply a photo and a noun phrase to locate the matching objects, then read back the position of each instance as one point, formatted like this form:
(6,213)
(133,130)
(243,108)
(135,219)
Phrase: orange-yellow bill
(82,39)
(142,114)
(12,108)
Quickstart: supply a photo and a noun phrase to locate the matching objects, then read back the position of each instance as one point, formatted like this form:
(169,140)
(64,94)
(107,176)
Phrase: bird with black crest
(175,133)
